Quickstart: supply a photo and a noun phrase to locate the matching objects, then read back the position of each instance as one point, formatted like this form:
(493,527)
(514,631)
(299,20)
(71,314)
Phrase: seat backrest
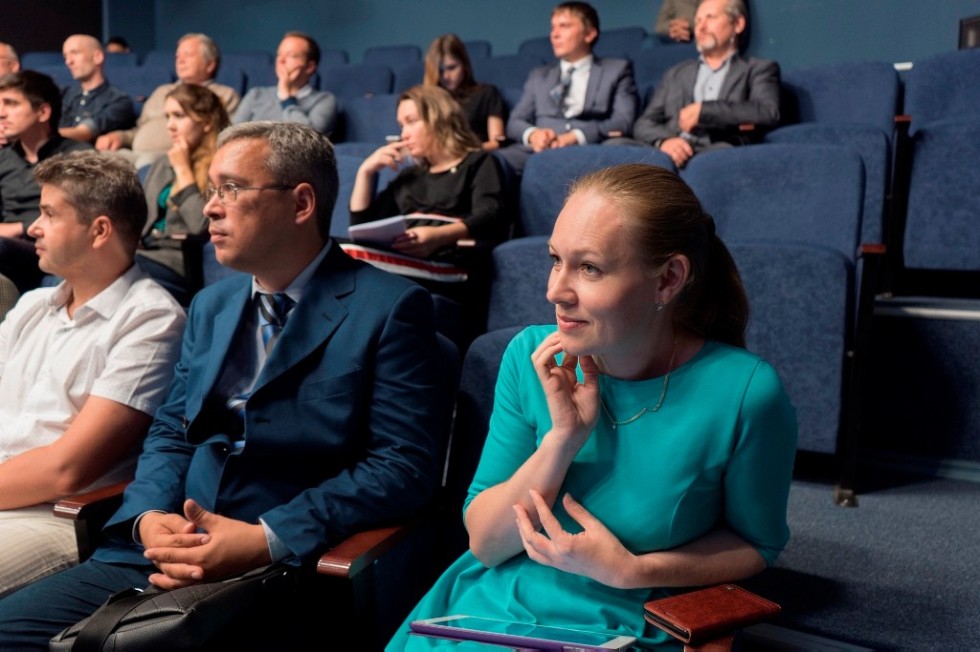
(333,56)
(474,404)
(519,283)
(57,72)
(392,56)
(503,71)
(650,64)
(233,76)
(368,119)
(548,175)
(874,148)
(356,79)
(41,58)
(408,75)
(943,87)
(478,49)
(798,322)
(537,50)
(117,59)
(163,58)
(347,166)
(620,42)
(791,193)
(139,83)
(864,93)
(942,227)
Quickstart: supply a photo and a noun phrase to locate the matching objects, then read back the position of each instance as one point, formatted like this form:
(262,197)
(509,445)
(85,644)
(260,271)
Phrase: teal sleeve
(757,479)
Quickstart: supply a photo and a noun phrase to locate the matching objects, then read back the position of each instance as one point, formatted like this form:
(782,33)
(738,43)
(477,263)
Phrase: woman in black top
(447,64)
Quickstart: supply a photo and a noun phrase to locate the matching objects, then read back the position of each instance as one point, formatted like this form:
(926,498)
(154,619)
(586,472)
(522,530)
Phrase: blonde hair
(442,114)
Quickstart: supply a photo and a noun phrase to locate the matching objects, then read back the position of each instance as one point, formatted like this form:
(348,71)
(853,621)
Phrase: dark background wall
(797,33)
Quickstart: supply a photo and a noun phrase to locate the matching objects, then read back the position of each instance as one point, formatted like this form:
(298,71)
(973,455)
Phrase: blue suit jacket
(610,102)
(341,426)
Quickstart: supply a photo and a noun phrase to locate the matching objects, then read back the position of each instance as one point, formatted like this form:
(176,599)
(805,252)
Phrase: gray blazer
(750,94)
(610,102)
(184,215)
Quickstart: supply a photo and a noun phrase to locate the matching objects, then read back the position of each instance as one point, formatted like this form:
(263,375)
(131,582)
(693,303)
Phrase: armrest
(91,503)
(707,619)
(359,551)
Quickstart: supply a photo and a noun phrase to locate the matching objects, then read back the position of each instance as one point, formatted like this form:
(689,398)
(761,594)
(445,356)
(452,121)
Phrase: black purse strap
(104,621)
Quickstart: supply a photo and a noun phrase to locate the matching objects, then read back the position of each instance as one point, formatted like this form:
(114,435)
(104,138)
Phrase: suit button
(184,423)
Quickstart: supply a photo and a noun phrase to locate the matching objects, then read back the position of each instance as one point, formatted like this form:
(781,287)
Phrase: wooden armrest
(903,119)
(359,551)
(81,506)
(873,249)
(746,126)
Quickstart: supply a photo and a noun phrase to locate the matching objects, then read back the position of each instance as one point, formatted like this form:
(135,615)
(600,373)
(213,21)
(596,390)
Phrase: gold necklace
(655,408)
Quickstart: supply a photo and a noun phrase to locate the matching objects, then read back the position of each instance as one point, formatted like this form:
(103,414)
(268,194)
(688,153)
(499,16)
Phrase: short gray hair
(208,46)
(297,154)
(736,8)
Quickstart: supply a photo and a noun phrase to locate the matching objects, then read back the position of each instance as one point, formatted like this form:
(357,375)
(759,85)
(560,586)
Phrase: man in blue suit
(583,99)
(304,407)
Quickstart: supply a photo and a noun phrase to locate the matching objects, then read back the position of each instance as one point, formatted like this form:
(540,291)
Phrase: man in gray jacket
(701,104)
(292,99)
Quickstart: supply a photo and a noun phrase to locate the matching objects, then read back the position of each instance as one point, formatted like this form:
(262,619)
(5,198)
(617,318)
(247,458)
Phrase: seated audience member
(699,104)
(293,99)
(30,108)
(449,176)
(8,295)
(269,449)
(83,366)
(581,99)
(635,447)
(176,184)
(117,45)
(196,62)
(676,20)
(447,64)
(91,107)
(9,62)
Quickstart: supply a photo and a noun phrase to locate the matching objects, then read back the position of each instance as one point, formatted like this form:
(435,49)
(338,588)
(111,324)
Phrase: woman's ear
(675,275)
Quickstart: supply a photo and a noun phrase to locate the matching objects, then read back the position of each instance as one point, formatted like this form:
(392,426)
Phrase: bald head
(9,61)
(84,58)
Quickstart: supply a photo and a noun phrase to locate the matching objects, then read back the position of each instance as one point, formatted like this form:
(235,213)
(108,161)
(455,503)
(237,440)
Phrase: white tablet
(518,635)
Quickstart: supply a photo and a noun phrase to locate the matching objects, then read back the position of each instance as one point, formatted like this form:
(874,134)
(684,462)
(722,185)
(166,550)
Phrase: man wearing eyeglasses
(304,407)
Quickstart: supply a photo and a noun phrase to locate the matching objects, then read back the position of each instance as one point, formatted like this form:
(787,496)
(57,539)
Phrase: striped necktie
(273,311)
(560,92)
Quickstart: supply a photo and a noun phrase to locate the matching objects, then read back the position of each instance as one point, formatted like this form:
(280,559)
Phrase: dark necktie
(560,92)
(273,311)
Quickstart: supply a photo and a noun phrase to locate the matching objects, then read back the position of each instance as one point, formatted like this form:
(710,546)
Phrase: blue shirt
(103,109)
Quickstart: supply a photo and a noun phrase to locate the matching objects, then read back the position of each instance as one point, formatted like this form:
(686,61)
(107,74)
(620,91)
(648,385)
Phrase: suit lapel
(592,88)
(737,69)
(224,326)
(688,77)
(315,317)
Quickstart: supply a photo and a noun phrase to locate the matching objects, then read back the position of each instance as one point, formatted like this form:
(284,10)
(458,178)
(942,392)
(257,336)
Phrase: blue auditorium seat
(537,50)
(650,64)
(620,42)
(58,72)
(368,119)
(478,49)
(392,56)
(120,59)
(548,175)
(521,268)
(943,87)
(140,82)
(355,79)
(408,75)
(504,71)
(41,59)
(851,104)
(333,56)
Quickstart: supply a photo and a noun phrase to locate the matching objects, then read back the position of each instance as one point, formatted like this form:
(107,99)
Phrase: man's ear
(305,203)
(44,113)
(591,35)
(740,25)
(101,230)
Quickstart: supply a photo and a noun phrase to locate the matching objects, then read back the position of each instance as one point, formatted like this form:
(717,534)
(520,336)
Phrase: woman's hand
(386,156)
(421,241)
(179,154)
(594,552)
(573,406)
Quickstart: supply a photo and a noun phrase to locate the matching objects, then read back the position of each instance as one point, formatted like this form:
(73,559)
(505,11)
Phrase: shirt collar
(585,63)
(106,302)
(731,55)
(296,288)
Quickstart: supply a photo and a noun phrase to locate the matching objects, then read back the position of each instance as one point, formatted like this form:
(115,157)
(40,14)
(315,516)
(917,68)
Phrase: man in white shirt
(84,365)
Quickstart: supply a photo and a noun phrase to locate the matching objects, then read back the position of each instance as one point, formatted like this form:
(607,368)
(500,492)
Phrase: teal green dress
(719,451)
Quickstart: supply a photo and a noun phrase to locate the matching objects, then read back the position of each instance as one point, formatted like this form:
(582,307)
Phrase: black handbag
(240,611)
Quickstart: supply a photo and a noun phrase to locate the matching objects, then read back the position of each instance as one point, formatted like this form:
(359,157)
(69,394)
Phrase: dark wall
(31,25)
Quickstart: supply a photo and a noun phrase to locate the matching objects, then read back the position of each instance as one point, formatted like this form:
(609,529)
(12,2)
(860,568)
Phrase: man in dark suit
(583,99)
(276,441)
(700,104)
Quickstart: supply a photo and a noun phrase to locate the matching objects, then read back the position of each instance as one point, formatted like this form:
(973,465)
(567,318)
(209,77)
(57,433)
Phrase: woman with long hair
(451,192)
(176,184)
(447,64)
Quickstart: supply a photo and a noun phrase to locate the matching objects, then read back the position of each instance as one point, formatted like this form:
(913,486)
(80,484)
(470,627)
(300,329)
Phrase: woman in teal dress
(636,448)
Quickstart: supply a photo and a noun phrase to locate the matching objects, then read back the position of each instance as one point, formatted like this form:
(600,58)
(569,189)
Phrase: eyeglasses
(228,192)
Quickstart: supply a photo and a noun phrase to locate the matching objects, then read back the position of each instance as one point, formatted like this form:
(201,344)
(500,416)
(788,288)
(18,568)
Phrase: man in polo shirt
(91,107)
